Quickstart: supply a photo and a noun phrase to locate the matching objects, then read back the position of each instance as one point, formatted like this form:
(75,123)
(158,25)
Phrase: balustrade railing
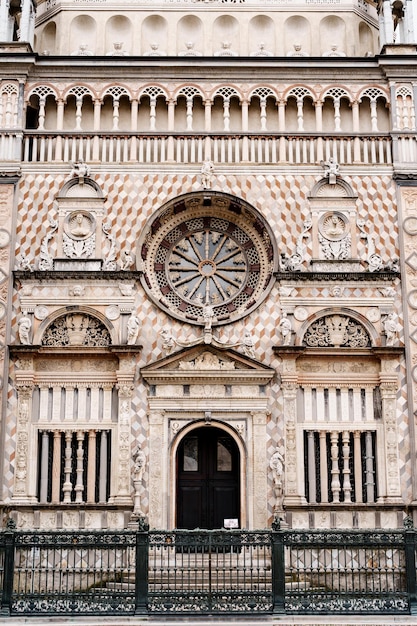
(208,572)
(234,148)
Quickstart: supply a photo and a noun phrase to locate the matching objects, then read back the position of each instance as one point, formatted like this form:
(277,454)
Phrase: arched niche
(83,30)
(226,29)
(154,31)
(76,327)
(261,31)
(366,41)
(118,29)
(190,31)
(338,329)
(332,31)
(47,40)
(297,30)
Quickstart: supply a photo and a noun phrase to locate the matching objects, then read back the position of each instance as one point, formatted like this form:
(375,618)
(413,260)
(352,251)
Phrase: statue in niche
(207,173)
(226,50)
(297,52)
(82,51)
(334,52)
(391,328)
(189,50)
(331,170)
(154,51)
(25,325)
(261,51)
(133,327)
(117,50)
(285,328)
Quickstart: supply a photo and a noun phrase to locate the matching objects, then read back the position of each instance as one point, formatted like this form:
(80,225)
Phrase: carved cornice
(337,276)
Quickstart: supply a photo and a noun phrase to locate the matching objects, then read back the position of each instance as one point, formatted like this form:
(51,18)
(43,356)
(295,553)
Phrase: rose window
(207,251)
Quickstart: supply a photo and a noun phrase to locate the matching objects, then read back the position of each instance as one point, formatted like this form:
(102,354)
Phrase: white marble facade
(209,243)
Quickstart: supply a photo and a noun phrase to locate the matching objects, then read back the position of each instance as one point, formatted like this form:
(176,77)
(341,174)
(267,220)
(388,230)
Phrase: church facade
(208,222)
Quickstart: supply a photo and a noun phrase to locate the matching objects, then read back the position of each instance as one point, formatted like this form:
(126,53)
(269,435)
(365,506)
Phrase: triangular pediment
(206,363)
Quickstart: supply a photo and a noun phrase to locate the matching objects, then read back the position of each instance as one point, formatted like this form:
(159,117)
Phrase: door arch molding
(175,444)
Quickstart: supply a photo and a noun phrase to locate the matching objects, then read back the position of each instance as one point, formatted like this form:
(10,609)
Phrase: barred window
(74,466)
(340,466)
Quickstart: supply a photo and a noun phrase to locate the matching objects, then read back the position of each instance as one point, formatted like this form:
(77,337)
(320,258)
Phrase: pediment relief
(206,363)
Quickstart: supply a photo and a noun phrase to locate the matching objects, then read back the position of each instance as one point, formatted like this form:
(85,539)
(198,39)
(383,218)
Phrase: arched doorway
(208,477)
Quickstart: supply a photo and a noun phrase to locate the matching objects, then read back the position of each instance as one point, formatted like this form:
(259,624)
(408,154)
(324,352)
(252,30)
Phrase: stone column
(24,484)
(120,491)
(390,453)
(293,462)
(157,480)
(260,472)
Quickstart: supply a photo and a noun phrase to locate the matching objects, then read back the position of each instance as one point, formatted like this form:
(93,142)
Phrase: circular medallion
(410,225)
(4,238)
(112,312)
(333,226)
(412,299)
(207,250)
(300,313)
(373,314)
(79,225)
(41,312)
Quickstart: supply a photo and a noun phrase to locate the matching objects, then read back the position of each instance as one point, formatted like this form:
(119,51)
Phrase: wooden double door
(208,479)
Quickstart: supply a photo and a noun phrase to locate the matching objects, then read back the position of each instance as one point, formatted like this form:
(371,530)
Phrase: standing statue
(133,326)
(276,464)
(25,326)
(285,328)
(391,327)
(139,461)
(168,340)
(248,345)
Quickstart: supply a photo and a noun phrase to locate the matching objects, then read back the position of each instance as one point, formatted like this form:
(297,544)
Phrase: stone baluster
(324,475)
(369,468)
(79,485)
(358,465)
(91,467)
(347,486)
(102,485)
(43,491)
(311,455)
(41,115)
(67,486)
(334,451)
(56,468)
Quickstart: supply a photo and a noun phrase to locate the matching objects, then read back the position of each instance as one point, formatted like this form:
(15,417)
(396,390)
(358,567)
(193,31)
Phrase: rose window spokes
(207,267)
(207,250)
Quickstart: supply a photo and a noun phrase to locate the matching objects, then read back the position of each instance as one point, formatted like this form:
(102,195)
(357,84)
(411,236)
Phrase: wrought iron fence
(206,572)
